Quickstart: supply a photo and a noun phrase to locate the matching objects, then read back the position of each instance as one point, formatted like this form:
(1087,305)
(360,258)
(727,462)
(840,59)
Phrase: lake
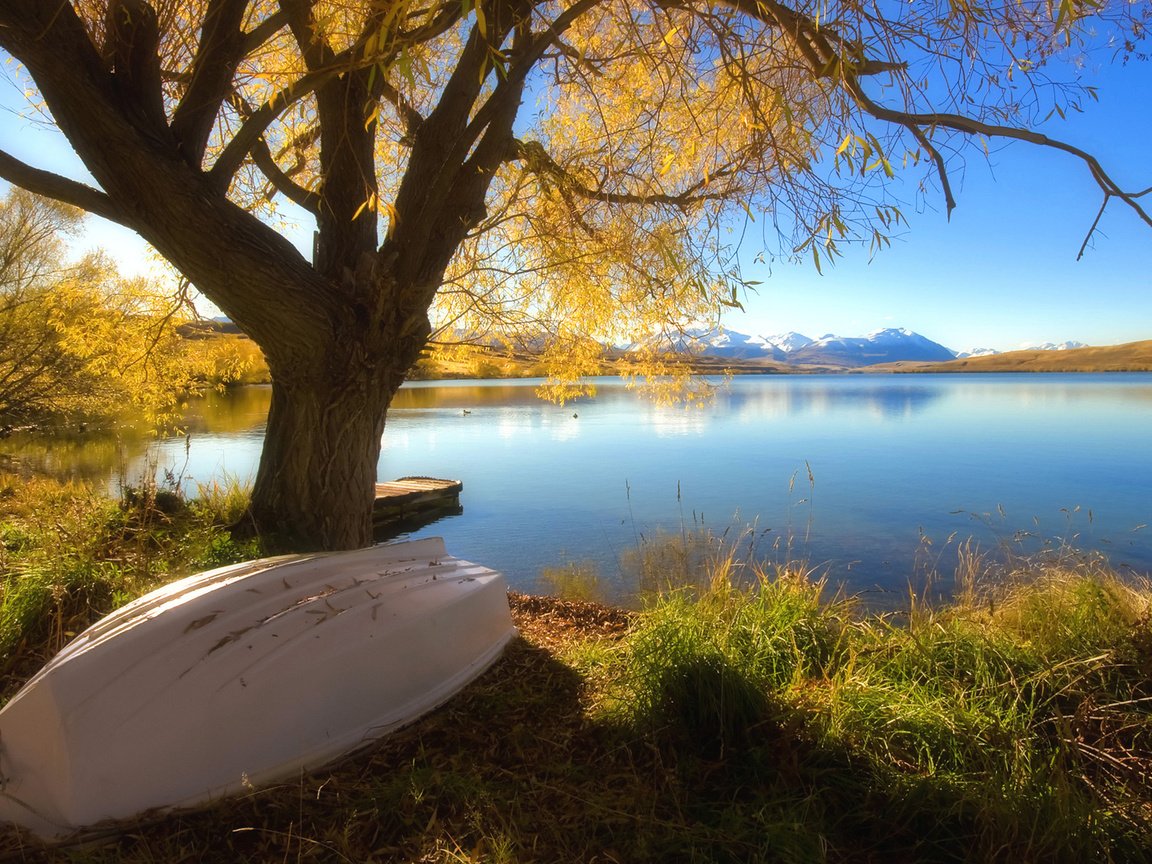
(876,479)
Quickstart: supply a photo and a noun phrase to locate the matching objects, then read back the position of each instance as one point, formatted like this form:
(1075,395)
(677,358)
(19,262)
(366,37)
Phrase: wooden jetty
(413,501)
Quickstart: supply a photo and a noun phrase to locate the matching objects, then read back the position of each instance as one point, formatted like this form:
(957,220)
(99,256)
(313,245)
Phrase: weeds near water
(757,715)
(1015,723)
(69,555)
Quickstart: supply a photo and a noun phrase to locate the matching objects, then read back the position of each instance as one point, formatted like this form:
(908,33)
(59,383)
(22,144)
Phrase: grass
(750,717)
(1129,357)
(69,554)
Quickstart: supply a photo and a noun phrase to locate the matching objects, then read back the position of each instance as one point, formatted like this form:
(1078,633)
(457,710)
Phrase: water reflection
(239,411)
(838,395)
(91,457)
(899,465)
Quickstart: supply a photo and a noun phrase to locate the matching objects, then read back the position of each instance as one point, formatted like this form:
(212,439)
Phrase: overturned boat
(242,676)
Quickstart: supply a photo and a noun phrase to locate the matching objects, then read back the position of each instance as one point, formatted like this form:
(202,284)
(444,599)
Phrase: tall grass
(1012,724)
(69,554)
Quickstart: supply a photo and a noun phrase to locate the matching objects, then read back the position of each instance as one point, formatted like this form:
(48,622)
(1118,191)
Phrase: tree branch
(412,118)
(132,48)
(316,51)
(242,143)
(526,60)
(539,162)
(971,126)
(827,53)
(282,181)
(264,31)
(61,189)
(219,54)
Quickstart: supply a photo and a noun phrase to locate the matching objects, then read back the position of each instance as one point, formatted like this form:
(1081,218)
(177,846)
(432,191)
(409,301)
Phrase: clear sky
(1003,271)
(1000,274)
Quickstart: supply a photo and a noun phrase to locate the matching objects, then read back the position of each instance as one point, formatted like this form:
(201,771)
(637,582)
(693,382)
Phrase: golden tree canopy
(645,132)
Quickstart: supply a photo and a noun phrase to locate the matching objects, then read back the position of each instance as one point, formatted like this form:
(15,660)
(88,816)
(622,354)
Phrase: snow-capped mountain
(977,352)
(883,346)
(724,343)
(788,342)
(1052,346)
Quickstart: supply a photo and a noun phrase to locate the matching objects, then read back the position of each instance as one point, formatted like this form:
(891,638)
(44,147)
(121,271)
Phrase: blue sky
(1003,271)
(1000,274)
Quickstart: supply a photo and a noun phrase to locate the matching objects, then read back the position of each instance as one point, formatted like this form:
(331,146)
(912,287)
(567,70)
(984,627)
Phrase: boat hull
(243,676)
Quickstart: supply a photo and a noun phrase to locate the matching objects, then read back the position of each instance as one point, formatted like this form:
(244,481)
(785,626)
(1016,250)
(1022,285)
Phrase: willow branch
(282,181)
(316,51)
(971,126)
(264,31)
(537,160)
(828,53)
(412,118)
(257,124)
(59,188)
(526,59)
(217,58)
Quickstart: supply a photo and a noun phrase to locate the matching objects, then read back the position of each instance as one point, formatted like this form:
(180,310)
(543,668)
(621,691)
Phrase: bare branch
(61,189)
(217,58)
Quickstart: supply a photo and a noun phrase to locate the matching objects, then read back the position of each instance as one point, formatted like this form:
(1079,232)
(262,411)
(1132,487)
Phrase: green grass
(1011,725)
(754,716)
(69,555)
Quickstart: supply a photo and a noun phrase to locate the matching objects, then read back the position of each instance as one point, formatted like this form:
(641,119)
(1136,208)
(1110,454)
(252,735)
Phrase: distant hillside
(1129,357)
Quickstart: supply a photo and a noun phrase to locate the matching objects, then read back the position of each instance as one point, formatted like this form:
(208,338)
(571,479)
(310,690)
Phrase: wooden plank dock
(410,501)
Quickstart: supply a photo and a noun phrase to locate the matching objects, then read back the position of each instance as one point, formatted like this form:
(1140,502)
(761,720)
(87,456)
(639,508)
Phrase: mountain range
(891,345)
(883,346)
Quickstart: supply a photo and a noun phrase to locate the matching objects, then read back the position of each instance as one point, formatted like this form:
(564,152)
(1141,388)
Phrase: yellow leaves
(111,342)
(481,21)
(863,153)
(369,205)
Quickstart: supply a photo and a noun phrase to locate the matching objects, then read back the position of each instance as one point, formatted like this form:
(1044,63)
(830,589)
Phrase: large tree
(571,166)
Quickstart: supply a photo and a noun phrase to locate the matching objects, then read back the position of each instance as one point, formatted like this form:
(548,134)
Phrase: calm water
(876,478)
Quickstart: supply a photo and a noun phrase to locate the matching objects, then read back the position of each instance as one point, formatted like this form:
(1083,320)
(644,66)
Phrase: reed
(70,554)
(756,715)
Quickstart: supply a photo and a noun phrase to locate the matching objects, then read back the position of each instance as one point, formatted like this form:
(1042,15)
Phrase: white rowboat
(243,676)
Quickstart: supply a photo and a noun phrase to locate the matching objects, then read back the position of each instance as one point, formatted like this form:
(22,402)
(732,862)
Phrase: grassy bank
(769,722)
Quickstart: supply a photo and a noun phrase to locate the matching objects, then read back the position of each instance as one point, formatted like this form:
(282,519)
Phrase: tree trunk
(316,482)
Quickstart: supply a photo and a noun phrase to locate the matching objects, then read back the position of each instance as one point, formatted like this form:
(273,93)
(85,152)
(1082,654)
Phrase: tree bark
(316,481)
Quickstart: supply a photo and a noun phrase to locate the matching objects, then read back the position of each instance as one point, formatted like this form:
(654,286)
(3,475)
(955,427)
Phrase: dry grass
(1129,357)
